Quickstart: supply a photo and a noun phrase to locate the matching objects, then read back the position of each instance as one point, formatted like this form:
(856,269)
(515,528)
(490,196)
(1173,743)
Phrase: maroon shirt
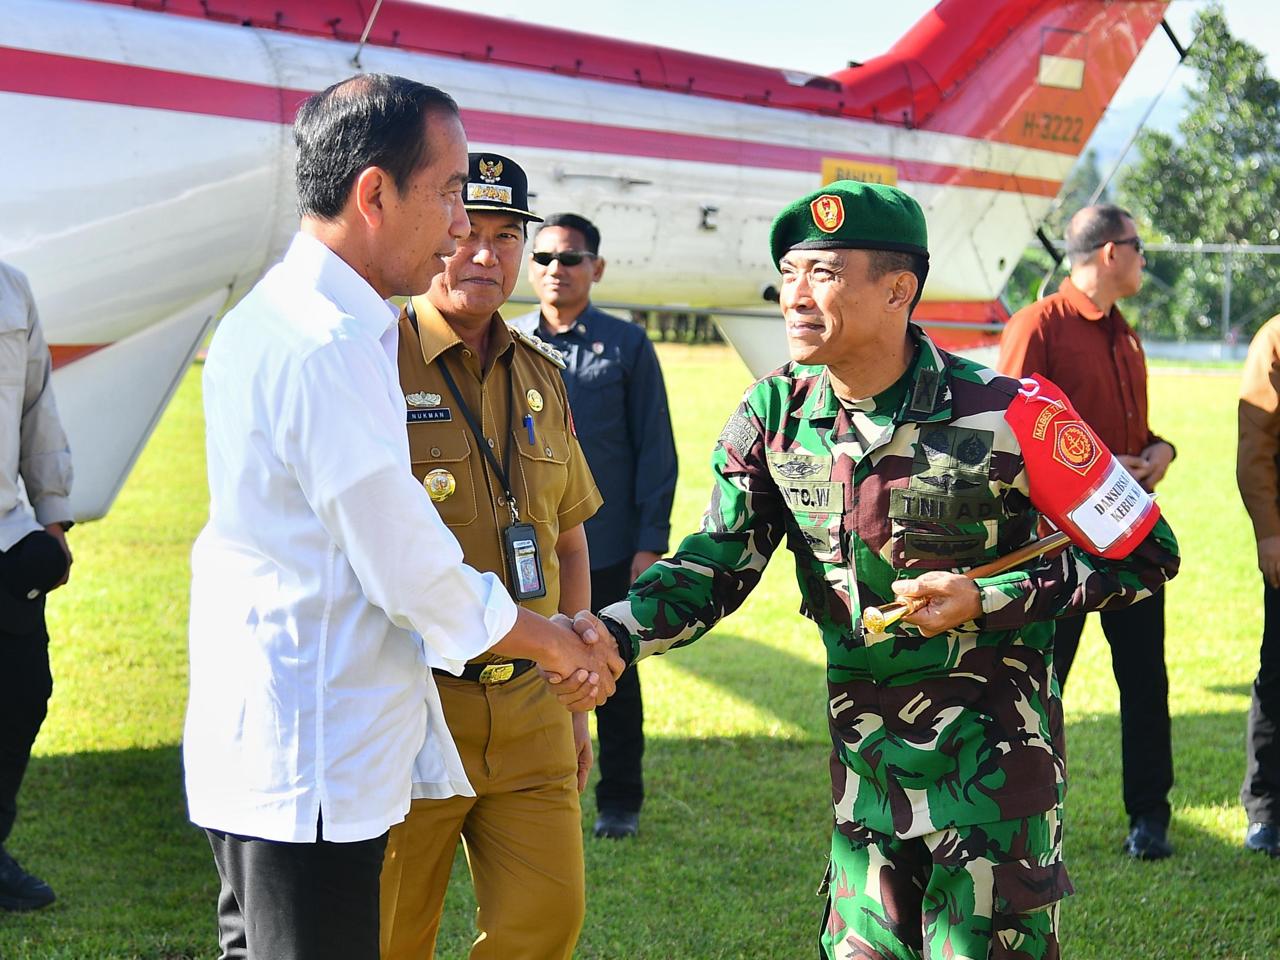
(1097,360)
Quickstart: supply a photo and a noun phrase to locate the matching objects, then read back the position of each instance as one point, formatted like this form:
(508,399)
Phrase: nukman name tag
(436,415)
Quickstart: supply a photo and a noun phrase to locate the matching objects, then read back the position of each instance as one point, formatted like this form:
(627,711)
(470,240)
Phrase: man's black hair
(1094,226)
(572,221)
(372,120)
(880,262)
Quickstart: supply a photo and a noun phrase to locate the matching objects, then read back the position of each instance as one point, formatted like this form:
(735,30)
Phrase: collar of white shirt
(312,263)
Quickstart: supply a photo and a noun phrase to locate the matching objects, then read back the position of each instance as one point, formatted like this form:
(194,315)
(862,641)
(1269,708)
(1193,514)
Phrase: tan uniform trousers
(522,831)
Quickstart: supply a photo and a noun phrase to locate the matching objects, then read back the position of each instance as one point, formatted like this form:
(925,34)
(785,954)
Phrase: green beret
(850,215)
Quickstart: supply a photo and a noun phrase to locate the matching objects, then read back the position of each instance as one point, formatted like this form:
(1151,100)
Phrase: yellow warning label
(857,170)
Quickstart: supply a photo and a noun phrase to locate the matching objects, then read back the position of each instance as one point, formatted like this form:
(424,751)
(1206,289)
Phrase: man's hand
(582,747)
(1269,559)
(1137,466)
(591,664)
(591,628)
(1158,456)
(55,530)
(642,561)
(950,600)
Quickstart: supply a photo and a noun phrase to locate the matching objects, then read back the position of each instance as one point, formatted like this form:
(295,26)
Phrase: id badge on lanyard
(524,563)
(519,540)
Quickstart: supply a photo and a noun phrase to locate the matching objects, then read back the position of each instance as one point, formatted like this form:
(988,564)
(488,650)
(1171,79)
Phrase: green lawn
(738,816)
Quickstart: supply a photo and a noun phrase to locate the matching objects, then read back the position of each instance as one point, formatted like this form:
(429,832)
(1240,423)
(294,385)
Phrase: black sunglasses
(570,258)
(1134,242)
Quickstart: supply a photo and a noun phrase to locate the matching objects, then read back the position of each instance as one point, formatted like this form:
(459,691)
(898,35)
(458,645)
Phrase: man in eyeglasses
(616,390)
(1078,338)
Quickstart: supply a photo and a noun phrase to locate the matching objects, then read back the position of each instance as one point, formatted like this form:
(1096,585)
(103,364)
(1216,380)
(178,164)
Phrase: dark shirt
(619,405)
(1097,360)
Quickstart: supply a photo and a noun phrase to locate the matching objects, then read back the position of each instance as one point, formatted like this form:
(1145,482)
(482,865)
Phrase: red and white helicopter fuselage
(150,159)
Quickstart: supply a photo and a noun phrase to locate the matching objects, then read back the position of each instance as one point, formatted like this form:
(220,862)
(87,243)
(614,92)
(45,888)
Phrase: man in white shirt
(325,587)
(35,511)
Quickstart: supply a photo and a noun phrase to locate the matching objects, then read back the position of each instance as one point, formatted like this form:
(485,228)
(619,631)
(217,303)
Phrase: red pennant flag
(1075,480)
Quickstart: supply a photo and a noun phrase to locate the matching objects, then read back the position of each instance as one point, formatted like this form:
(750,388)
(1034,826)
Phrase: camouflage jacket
(962,728)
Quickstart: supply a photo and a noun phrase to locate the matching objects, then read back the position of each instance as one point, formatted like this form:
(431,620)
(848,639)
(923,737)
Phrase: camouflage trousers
(986,892)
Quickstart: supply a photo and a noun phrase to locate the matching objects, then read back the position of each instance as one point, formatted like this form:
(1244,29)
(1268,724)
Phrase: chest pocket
(543,472)
(816,504)
(13,343)
(600,395)
(440,447)
(946,517)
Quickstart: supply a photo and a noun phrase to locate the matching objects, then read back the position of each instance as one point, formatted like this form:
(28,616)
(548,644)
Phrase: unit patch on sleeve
(739,432)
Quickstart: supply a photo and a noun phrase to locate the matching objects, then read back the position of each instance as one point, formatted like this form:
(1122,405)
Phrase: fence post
(1226,293)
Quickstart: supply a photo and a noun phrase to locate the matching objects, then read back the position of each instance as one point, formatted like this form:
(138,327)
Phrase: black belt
(489,674)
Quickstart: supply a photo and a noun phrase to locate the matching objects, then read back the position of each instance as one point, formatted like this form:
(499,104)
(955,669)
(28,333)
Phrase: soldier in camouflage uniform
(888,467)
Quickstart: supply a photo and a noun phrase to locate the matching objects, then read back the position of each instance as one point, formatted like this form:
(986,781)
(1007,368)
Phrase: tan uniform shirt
(1258,451)
(550,479)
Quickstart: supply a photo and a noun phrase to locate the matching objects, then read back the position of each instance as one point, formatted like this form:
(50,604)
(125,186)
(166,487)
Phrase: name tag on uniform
(816,497)
(428,416)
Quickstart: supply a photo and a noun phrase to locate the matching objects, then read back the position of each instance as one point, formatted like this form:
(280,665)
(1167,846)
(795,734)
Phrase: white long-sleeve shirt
(325,585)
(33,447)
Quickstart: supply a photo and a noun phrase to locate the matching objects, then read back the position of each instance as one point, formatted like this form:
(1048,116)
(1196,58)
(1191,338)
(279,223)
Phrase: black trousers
(1136,637)
(1261,791)
(25,681)
(297,901)
(620,722)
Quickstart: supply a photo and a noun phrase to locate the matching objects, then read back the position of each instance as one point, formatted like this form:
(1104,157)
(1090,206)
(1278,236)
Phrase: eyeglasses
(1134,242)
(570,258)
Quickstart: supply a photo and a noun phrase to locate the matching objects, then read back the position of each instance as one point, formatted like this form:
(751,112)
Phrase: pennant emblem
(1074,447)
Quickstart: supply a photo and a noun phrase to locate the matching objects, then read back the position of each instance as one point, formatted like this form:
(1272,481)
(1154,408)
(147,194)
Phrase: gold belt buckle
(497,673)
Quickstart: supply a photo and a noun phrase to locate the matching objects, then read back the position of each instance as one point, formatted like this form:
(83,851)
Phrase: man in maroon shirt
(1079,340)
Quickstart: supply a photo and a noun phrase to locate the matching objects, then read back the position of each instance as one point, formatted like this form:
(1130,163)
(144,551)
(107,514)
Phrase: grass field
(738,814)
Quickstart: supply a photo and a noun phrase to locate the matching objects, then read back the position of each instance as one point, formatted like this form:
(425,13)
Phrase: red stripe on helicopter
(97,81)
(65,353)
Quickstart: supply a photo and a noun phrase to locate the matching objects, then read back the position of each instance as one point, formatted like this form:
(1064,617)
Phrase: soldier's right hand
(581,669)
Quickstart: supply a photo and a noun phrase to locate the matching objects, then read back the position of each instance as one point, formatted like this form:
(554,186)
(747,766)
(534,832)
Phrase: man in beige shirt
(34,557)
(492,440)
(1256,474)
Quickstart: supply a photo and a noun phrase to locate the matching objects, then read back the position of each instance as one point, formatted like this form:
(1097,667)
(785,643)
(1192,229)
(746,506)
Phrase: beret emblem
(828,213)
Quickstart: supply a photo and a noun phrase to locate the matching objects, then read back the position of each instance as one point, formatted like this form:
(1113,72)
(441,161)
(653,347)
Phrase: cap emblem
(490,170)
(828,213)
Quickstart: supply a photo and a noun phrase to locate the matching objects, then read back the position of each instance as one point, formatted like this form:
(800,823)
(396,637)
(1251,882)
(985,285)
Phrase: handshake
(579,658)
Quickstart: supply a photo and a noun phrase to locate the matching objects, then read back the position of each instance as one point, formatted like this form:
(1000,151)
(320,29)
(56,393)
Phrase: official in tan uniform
(524,755)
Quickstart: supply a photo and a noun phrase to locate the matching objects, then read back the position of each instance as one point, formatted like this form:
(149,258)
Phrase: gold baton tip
(877,619)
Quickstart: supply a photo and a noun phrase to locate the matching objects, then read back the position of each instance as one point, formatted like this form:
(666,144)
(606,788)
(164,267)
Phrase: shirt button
(435,451)
(490,442)
(466,353)
(547,451)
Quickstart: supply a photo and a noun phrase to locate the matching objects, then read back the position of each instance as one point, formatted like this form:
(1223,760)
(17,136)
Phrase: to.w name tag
(428,416)
(816,497)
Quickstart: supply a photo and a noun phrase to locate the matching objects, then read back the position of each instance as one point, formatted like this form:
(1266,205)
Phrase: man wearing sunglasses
(1078,338)
(616,390)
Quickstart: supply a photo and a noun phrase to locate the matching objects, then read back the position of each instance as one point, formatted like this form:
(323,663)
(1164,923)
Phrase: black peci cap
(497,183)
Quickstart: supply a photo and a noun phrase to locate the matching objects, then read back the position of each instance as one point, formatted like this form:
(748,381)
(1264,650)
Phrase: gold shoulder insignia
(539,345)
